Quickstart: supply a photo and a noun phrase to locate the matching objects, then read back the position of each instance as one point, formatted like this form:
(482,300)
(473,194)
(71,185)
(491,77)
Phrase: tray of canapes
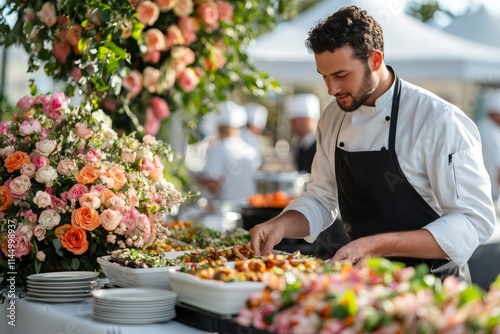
(223,289)
(134,268)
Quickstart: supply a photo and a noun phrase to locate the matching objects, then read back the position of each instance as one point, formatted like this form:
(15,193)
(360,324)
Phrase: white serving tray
(135,277)
(211,295)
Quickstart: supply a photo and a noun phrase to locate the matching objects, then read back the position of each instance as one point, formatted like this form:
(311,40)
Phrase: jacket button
(387,118)
(341,144)
(383,148)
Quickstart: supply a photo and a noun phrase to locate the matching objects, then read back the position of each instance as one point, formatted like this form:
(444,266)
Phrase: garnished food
(279,199)
(243,251)
(202,237)
(134,258)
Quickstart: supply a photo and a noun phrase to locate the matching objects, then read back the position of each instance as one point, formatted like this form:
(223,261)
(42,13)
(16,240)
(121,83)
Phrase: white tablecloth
(75,318)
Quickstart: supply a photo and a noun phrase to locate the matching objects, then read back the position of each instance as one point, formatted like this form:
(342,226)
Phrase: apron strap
(394,111)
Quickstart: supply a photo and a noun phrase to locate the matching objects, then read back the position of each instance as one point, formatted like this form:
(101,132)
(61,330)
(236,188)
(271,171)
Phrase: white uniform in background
(256,118)
(231,160)
(490,139)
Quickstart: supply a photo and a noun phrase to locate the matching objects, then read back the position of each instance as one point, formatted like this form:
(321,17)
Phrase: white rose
(28,169)
(128,155)
(110,219)
(90,200)
(42,199)
(25,229)
(46,174)
(144,153)
(49,219)
(39,232)
(66,167)
(46,147)
(6,151)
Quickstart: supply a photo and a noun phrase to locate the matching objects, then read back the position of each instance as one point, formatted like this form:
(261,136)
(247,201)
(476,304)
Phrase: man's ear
(377,59)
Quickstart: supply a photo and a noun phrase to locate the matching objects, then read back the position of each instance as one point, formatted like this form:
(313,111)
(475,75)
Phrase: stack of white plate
(61,287)
(134,305)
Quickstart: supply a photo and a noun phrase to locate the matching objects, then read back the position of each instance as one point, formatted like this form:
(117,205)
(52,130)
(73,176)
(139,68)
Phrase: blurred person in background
(303,111)
(256,122)
(230,164)
(489,127)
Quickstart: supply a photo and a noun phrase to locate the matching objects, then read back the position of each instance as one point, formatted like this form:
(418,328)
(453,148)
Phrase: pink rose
(56,203)
(174,37)
(188,80)
(66,167)
(46,147)
(90,200)
(154,40)
(76,73)
(4,126)
(28,169)
(148,12)
(133,83)
(110,219)
(19,187)
(40,161)
(30,126)
(30,216)
(166,5)
(42,100)
(76,192)
(57,102)
(23,245)
(150,78)
(83,131)
(149,140)
(226,11)
(188,27)
(152,57)
(61,48)
(160,107)
(183,8)
(25,103)
(47,14)
(216,59)
(152,125)
(209,14)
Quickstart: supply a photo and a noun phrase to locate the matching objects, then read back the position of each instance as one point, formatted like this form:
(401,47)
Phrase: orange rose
(105,196)
(16,161)
(118,176)
(87,174)
(72,238)
(86,218)
(5,198)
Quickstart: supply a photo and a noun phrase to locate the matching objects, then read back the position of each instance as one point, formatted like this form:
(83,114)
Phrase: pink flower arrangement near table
(72,190)
(147,58)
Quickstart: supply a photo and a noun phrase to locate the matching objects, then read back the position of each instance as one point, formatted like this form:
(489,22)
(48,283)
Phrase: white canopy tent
(415,50)
(482,26)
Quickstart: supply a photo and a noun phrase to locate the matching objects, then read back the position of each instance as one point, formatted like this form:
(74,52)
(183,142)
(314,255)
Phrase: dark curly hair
(350,26)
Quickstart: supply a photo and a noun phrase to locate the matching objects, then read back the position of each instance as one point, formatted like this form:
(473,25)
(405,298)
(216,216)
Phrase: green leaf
(75,263)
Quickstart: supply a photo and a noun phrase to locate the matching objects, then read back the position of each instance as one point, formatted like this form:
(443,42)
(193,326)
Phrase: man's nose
(332,85)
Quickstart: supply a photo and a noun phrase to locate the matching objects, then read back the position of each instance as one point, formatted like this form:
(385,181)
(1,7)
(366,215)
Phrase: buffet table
(76,318)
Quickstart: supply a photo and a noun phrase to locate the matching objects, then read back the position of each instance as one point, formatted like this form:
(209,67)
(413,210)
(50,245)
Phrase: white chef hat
(231,114)
(493,102)
(257,115)
(302,106)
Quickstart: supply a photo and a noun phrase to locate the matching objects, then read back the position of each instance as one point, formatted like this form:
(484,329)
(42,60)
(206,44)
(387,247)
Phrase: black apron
(304,158)
(375,196)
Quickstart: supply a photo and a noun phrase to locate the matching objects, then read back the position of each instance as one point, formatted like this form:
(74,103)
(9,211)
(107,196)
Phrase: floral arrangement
(147,58)
(381,297)
(72,190)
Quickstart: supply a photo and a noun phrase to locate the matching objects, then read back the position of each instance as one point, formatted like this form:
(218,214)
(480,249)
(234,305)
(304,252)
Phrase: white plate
(57,295)
(56,300)
(62,285)
(138,309)
(66,289)
(120,304)
(211,295)
(131,295)
(133,321)
(64,276)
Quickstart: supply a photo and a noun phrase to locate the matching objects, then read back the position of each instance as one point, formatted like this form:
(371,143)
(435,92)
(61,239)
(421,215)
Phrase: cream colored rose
(155,41)
(6,151)
(25,229)
(184,8)
(49,219)
(90,200)
(110,219)
(148,12)
(116,203)
(83,131)
(150,78)
(46,147)
(46,174)
(42,199)
(148,140)
(144,153)
(128,155)
(39,232)
(28,169)
(20,186)
(66,167)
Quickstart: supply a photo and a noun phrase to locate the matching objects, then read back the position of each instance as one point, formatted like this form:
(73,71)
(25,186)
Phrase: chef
(231,162)
(256,122)
(402,166)
(303,112)
(489,127)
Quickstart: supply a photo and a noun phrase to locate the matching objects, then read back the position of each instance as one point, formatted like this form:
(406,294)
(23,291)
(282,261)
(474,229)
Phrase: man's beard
(367,88)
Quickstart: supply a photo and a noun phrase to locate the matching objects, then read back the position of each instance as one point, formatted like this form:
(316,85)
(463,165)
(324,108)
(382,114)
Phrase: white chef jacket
(490,140)
(439,151)
(234,163)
